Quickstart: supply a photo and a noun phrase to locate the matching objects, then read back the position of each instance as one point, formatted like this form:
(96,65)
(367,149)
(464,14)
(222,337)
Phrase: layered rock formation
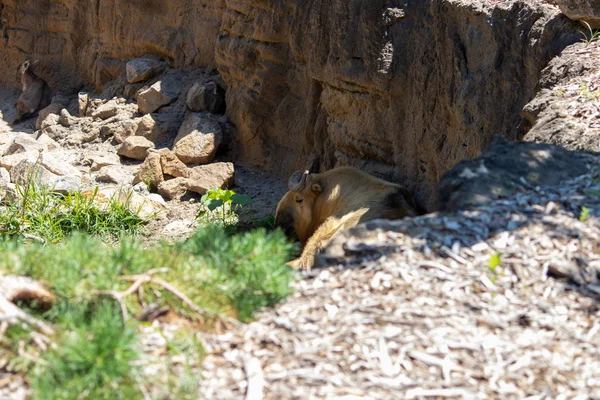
(403,89)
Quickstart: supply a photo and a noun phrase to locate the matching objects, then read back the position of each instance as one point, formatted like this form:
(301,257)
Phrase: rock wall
(401,88)
(88,41)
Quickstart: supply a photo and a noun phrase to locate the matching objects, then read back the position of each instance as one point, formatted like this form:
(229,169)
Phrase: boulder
(106,110)
(58,166)
(135,147)
(48,142)
(4,182)
(205,177)
(159,94)
(148,127)
(27,170)
(119,130)
(66,119)
(83,99)
(112,174)
(207,97)
(198,139)
(58,103)
(150,172)
(141,69)
(171,165)
(143,206)
(10,161)
(23,143)
(174,188)
(581,10)
(48,120)
(97,160)
(505,170)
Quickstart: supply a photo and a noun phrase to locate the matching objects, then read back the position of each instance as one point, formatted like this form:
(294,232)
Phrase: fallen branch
(141,279)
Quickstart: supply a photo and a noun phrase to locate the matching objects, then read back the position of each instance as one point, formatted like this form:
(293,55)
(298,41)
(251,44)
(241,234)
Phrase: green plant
(585,214)
(225,200)
(589,95)
(591,35)
(92,359)
(51,217)
(493,264)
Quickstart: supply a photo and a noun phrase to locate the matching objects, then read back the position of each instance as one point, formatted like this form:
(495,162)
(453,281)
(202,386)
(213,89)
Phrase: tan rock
(148,128)
(150,171)
(119,130)
(112,174)
(141,69)
(23,143)
(58,166)
(106,110)
(198,139)
(159,94)
(171,165)
(174,188)
(58,103)
(97,160)
(140,204)
(83,99)
(49,120)
(27,170)
(205,177)
(67,119)
(10,161)
(135,147)
(48,142)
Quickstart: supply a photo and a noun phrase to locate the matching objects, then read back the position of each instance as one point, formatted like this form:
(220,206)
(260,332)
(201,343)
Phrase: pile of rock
(169,120)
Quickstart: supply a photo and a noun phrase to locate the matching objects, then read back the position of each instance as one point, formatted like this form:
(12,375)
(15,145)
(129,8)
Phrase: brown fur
(36,93)
(336,200)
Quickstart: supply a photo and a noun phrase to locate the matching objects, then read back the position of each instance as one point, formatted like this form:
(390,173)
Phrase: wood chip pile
(496,302)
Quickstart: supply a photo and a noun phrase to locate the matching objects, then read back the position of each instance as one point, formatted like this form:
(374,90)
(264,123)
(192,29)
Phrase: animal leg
(320,239)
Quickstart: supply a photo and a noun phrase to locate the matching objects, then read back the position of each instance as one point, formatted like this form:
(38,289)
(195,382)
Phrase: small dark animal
(36,93)
(318,206)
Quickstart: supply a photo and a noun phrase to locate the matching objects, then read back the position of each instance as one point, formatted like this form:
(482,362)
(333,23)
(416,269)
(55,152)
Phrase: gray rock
(583,10)
(48,120)
(198,139)
(207,97)
(98,160)
(135,147)
(65,184)
(159,94)
(504,170)
(141,69)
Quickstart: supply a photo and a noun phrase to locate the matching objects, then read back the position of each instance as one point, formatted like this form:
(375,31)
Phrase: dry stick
(11,311)
(172,289)
(118,298)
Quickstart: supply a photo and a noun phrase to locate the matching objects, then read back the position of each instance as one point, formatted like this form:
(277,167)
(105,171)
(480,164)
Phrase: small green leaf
(585,214)
(495,260)
(213,204)
(241,199)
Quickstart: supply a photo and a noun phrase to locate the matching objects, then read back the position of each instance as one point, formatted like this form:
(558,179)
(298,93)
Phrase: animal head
(295,210)
(24,67)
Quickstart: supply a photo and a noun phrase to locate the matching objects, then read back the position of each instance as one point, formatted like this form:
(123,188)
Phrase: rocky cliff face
(403,89)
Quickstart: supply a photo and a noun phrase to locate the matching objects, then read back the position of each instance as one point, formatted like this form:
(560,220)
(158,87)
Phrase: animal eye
(298,200)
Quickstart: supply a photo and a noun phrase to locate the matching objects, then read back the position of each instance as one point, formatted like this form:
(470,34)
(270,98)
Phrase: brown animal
(36,93)
(318,206)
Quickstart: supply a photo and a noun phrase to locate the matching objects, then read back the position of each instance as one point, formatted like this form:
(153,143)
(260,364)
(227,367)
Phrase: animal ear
(313,166)
(35,62)
(297,181)
(316,188)
(26,64)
